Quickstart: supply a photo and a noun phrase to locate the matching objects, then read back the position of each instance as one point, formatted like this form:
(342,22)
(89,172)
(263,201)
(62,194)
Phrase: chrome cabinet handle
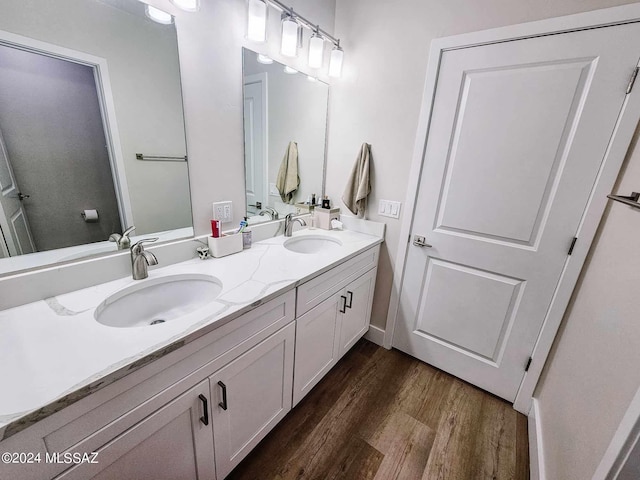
(420,241)
(223,404)
(205,406)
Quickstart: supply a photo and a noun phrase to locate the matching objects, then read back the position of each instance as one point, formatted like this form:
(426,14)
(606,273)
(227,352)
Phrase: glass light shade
(335,62)
(264,59)
(257,20)
(312,79)
(316,51)
(289,70)
(289,45)
(158,15)
(187,5)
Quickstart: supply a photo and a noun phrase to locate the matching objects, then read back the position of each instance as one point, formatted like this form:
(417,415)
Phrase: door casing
(611,163)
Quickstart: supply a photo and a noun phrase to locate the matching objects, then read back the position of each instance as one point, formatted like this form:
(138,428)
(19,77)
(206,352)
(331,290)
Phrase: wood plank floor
(384,415)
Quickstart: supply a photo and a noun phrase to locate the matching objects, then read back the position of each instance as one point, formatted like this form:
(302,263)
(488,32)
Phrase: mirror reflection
(285,123)
(92,138)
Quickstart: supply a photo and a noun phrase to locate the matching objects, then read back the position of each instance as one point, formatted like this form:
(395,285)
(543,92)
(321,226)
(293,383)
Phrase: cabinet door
(355,320)
(317,335)
(171,443)
(251,395)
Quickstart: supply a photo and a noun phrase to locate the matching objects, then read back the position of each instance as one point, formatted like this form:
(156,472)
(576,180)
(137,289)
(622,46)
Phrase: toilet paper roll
(90,216)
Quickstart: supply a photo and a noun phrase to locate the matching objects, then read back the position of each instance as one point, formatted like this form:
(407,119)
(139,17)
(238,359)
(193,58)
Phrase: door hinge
(632,80)
(526,367)
(573,244)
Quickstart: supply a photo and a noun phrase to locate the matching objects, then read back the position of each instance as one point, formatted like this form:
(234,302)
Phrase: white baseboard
(536,452)
(375,335)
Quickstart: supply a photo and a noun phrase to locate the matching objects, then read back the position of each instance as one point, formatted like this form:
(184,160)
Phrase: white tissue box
(324,217)
(225,245)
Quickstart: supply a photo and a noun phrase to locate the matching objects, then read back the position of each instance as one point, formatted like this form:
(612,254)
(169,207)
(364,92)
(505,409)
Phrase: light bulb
(335,62)
(187,5)
(257,20)
(264,59)
(316,51)
(289,70)
(158,15)
(289,46)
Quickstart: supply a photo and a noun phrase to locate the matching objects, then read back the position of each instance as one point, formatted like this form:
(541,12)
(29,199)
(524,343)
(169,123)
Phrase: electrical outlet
(223,211)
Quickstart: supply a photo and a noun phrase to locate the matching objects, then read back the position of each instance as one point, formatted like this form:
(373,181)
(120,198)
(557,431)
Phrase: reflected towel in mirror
(288,180)
(358,185)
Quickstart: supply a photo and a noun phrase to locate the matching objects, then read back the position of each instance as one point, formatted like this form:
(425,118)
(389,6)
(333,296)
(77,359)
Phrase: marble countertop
(52,349)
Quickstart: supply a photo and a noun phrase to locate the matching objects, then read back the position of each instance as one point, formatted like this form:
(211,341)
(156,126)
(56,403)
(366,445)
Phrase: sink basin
(312,244)
(158,300)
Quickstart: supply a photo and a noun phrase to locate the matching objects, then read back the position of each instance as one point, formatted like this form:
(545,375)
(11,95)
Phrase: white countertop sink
(159,300)
(312,244)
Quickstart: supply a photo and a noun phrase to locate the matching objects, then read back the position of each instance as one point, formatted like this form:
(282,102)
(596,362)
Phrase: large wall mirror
(92,136)
(285,125)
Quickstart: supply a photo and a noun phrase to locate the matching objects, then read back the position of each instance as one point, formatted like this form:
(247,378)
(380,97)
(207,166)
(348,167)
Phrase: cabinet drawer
(317,290)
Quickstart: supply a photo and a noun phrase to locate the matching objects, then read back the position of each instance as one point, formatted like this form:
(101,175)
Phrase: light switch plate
(389,208)
(223,211)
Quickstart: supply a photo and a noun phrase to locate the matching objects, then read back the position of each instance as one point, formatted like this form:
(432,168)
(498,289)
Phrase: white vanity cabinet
(336,309)
(250,396)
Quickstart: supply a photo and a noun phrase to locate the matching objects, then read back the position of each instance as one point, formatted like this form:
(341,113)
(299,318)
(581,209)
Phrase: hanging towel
(288,180)
(358,185)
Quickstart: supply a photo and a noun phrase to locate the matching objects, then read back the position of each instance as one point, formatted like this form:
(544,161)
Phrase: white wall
(592,373)
(377,100)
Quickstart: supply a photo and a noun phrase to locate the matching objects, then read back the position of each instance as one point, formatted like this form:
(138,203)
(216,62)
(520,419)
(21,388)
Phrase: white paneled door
(518,133)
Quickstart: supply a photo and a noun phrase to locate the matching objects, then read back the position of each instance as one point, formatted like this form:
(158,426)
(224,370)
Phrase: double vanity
(180,375)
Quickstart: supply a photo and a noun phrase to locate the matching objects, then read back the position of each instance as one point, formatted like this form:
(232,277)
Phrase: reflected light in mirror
(264,59)
(316,51)
(312,79)
(335,62)
(289,70)
(158,15)
(257,21)
(290,28)
(187,5)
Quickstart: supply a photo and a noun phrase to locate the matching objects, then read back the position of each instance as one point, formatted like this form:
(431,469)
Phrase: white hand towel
(288,181)
(358,186)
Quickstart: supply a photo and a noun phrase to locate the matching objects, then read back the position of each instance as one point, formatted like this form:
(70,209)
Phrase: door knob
(420,241)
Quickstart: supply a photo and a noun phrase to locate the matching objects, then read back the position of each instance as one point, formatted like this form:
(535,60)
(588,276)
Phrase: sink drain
(156,322)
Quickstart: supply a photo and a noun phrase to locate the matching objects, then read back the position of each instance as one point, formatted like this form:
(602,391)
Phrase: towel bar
(140,156)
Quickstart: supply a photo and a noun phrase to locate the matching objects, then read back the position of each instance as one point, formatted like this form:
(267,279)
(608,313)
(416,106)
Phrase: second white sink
(158,300)
(312,244)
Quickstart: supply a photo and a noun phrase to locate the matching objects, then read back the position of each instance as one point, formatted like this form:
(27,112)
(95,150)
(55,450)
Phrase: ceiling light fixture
(158,15)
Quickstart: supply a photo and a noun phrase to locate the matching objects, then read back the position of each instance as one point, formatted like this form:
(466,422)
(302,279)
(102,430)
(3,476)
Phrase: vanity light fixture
(187,5)
(291,40)
(289,70)
(264,59)
(316,50)
(257,20)
(335,61)
(158,15)
(290,34)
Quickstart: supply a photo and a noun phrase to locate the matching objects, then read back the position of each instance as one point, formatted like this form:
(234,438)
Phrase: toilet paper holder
(90,216)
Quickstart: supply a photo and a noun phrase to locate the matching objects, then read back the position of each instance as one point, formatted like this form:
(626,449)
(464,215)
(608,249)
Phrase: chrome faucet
(122,241)
(271,212)
(141,259)
(288,224)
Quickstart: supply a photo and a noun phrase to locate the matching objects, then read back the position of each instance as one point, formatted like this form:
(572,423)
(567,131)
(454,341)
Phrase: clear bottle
(312,217)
